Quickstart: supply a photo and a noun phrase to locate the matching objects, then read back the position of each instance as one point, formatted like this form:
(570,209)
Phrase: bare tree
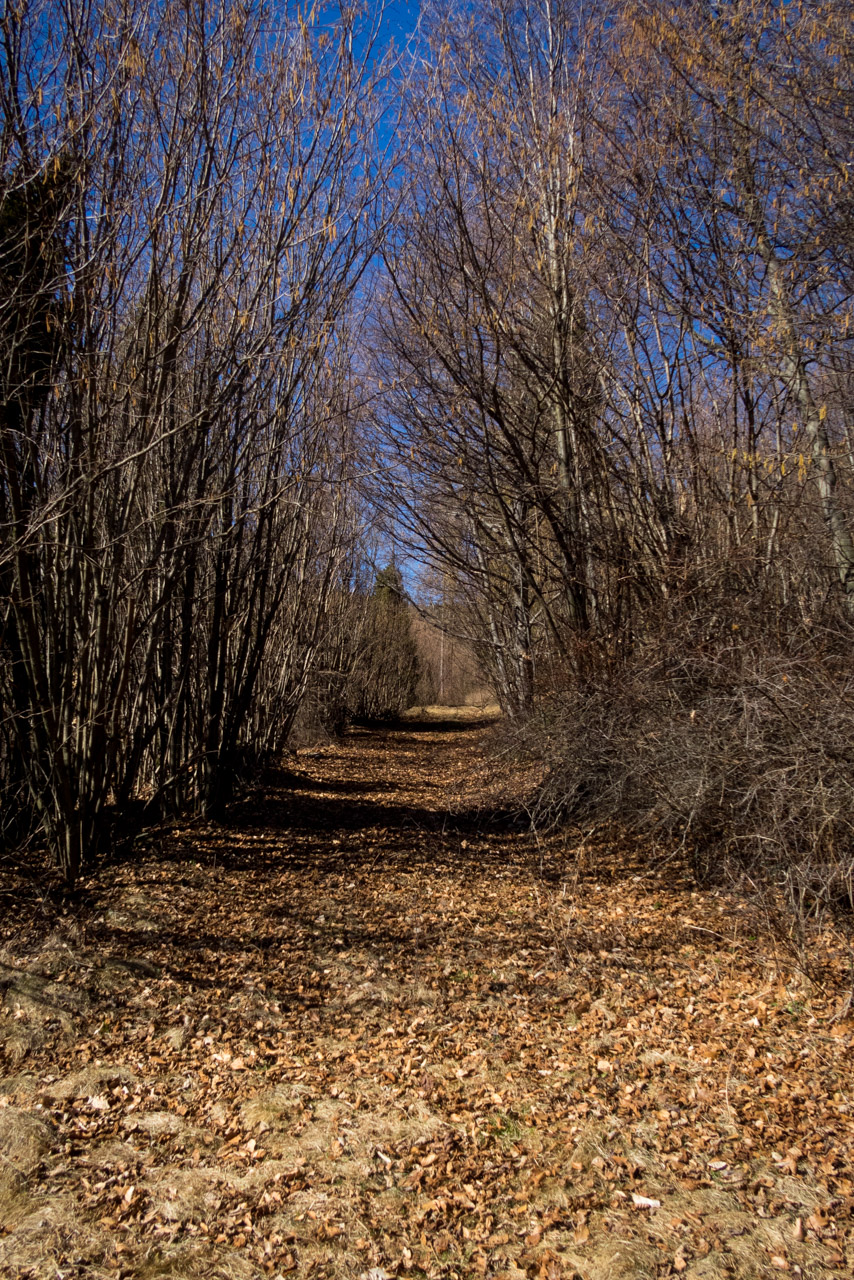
(713,168)
(202,184)
(493,366)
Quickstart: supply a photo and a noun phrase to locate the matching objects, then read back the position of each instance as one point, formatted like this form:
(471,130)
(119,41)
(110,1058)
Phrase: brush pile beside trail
(367,1030)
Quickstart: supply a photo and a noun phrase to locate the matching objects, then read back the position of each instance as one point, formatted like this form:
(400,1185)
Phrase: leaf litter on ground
(371,1028)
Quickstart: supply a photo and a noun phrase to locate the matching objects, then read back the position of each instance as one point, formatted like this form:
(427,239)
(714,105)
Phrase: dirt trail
(370,1028)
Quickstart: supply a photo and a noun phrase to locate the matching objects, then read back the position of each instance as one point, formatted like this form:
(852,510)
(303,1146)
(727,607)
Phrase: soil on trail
(369,1028)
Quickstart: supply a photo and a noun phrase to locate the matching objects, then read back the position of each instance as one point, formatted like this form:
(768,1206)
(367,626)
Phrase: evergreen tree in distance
(385,675)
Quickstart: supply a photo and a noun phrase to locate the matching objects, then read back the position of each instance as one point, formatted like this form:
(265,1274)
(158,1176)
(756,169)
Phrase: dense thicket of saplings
(188,203)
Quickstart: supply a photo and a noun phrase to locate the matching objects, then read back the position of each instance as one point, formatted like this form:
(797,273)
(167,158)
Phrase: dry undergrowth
(366,1030)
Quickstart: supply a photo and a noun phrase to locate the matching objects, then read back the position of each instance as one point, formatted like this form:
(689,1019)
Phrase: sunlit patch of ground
(471,713)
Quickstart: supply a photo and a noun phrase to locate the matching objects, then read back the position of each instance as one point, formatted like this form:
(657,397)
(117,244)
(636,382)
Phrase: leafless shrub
(743,756)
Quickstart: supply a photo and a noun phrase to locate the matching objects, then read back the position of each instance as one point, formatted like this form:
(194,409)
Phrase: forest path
(370,1028)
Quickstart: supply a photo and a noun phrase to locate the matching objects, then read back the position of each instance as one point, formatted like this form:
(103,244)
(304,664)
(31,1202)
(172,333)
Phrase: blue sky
(400,18)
